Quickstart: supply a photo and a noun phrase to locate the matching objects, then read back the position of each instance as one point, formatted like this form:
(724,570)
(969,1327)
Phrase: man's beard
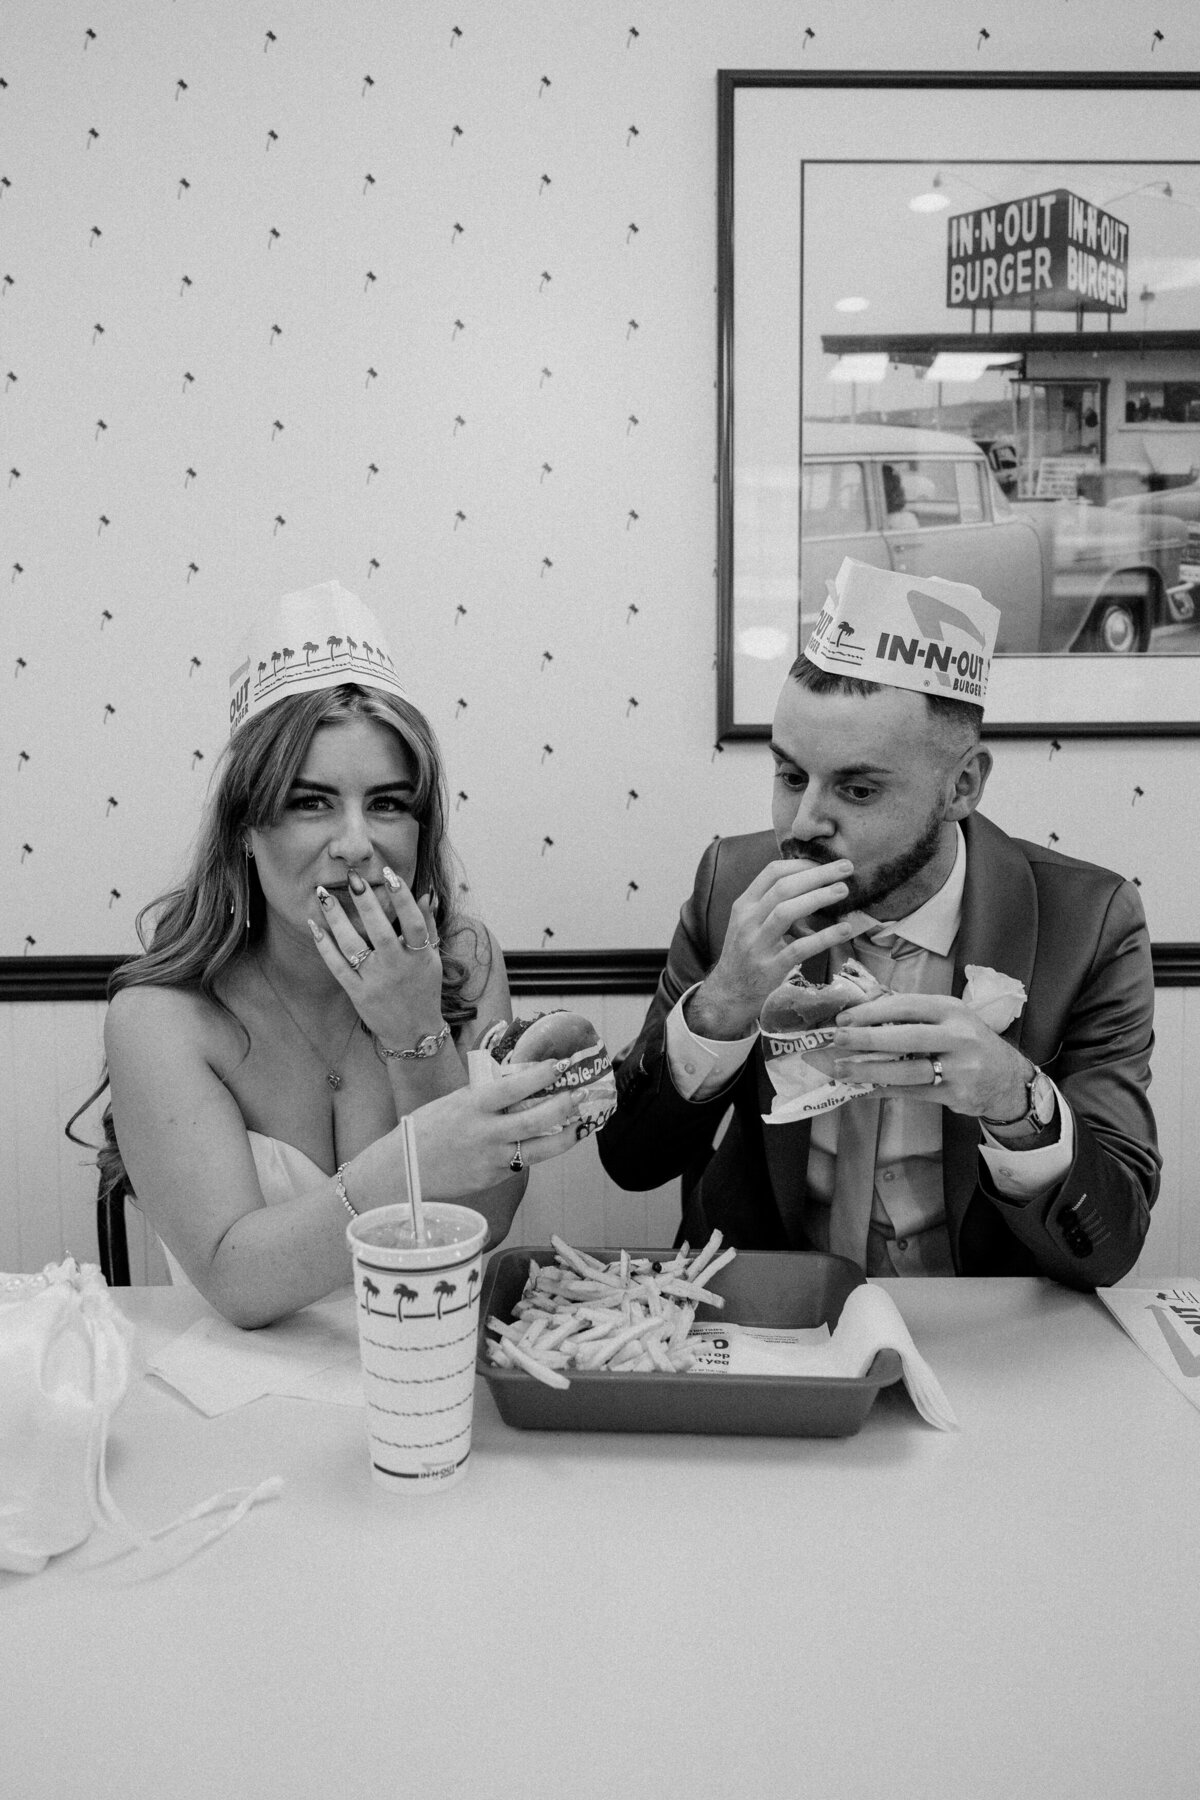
(890,876)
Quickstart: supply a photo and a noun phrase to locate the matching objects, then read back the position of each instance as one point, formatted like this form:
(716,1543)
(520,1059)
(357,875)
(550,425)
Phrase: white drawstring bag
(66,1357)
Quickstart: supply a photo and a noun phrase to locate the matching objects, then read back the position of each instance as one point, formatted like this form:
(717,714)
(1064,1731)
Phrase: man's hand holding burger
(772,926)
(902,1042)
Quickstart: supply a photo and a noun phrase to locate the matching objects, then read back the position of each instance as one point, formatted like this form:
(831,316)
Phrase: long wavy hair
(192,934)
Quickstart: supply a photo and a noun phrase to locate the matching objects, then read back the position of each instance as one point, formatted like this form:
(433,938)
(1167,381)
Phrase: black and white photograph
(599,899)
(996,381)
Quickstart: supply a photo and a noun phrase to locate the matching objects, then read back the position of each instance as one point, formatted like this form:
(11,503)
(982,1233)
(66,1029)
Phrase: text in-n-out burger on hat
(920,632)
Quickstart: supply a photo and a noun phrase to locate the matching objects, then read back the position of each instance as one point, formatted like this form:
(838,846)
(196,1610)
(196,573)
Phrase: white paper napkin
(870,1321)
(311,1356)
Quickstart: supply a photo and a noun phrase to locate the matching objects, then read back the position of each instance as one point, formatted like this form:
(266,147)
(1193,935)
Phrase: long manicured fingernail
(392,881)
(325,897)
(355,882)
(318,934)
(425,900)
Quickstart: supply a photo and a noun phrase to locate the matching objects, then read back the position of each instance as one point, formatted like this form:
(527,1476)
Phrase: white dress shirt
(908,1230)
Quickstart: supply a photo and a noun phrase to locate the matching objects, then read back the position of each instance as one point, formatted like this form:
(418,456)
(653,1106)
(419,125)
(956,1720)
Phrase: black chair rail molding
(530,972)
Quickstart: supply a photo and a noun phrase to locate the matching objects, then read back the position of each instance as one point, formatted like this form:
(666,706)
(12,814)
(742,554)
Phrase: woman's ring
(427,943)
(937,1077)
(356,962)
(516,1162)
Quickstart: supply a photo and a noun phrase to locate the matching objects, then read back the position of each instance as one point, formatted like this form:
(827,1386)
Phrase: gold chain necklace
(333,1075)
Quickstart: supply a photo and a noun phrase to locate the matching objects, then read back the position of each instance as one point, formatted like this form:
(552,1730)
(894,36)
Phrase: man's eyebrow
(875,770)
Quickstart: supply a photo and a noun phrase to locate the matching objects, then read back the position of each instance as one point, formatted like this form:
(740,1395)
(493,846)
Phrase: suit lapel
(1000,912)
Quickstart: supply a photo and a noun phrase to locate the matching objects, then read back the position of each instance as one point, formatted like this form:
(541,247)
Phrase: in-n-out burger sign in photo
(1050,252)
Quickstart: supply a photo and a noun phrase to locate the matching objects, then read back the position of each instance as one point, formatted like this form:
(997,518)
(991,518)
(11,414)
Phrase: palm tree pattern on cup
(421,1300)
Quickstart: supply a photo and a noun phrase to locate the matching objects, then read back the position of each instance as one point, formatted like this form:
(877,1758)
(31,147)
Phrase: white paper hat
(319,637)
(920,632)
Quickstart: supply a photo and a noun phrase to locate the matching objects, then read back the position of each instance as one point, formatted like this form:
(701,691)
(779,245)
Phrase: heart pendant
(335,1081)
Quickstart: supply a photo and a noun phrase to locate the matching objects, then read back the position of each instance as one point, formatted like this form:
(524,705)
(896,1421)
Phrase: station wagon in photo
(1067,575)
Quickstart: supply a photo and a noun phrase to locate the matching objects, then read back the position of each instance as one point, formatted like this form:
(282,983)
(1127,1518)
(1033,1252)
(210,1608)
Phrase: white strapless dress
(284,1173)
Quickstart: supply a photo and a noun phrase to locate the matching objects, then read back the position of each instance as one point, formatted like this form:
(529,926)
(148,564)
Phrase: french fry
(705,1256)
(629,1316)
(539,1370)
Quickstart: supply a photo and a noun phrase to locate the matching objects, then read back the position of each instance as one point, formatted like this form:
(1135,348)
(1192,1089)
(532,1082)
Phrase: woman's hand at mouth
(389,967)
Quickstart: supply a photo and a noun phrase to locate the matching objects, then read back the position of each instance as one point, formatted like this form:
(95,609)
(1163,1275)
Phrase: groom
(1030,1151)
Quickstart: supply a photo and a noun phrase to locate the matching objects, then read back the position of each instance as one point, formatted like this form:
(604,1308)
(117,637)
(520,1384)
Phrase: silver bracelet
(429,1045)
(339,1188)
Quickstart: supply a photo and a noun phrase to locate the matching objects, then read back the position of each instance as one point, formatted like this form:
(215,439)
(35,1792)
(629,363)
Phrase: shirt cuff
(1020,1174)
(702,1067)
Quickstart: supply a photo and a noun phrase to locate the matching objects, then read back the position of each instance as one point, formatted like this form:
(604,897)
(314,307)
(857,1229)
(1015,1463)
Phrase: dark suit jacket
(1075,935)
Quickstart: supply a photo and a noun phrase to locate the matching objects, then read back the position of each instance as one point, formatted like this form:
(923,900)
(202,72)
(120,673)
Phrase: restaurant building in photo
(1076,395)
(1126,401)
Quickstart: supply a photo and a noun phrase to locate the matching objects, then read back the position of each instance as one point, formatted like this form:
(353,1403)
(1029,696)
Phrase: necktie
(858,1127)
(854,1178)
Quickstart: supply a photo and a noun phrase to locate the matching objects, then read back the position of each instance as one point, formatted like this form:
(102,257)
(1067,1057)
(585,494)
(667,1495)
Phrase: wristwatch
(1041,1106)
(429,1045)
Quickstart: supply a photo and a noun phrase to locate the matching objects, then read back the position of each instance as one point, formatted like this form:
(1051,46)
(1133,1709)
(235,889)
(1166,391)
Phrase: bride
(310,983)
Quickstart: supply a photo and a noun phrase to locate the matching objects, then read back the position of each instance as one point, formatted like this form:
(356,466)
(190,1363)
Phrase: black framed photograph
(959,336)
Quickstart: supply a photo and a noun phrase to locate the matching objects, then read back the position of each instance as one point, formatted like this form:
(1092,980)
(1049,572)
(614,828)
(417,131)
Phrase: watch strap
(1030,1124)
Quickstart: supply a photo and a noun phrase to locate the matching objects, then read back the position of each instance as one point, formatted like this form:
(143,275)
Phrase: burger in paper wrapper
(566,1037)
(796,1027)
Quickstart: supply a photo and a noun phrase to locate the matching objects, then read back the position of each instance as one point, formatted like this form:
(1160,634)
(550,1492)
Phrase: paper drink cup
(418,1310)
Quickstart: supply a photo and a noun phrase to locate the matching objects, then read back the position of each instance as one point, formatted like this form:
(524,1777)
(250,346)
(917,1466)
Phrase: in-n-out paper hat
(920,632)
(319,637)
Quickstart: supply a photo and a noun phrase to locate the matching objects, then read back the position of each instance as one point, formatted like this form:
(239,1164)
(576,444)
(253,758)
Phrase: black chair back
(111,1234)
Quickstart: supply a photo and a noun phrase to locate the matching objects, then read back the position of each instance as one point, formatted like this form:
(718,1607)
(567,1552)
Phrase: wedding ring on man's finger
(936,1079)
(356,962)
(516,1161)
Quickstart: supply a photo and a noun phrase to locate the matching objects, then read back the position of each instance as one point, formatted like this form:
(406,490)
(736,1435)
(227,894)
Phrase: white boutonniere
(996,999)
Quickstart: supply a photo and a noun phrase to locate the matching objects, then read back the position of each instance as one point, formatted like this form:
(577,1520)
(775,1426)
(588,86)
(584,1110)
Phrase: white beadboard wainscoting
(50,1057)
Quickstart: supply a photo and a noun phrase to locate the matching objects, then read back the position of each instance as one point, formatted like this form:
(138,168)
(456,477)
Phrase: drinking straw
(412,1175)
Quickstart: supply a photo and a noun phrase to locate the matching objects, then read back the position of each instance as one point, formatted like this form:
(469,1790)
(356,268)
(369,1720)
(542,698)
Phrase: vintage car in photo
(1181,499)
(1068,576)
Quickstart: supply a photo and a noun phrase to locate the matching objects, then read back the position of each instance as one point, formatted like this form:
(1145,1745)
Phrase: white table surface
(1009,1610)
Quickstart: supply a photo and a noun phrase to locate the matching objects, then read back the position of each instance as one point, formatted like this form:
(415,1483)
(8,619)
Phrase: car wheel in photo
(1119,625)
